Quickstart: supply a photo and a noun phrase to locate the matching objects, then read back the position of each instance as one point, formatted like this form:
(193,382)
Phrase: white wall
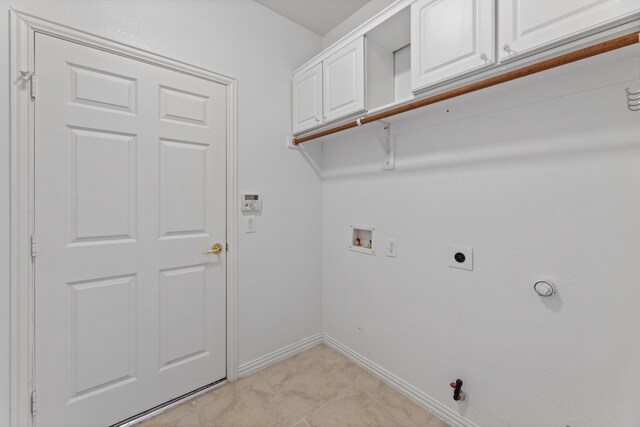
(361,15)
(279,278)
(542,179)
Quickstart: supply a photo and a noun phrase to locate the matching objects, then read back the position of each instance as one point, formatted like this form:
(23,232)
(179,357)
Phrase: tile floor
(318,387)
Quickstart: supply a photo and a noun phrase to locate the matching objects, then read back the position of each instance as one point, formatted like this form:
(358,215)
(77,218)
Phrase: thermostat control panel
(251,202)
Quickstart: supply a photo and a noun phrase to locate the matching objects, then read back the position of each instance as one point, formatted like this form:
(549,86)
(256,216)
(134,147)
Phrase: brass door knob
(215,249)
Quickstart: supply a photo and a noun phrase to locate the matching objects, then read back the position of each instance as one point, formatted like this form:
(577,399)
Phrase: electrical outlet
(461,257)
(392,248)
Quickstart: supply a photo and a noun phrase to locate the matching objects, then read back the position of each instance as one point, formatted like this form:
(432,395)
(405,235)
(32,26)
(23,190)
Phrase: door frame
(23,28)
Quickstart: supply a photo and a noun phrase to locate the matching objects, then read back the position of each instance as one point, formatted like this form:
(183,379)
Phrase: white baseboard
(279,355)
(402,386)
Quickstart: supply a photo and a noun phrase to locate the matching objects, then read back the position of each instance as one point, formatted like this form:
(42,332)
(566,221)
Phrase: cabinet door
(307,99)
(344,81)
(528,26)
(450,38)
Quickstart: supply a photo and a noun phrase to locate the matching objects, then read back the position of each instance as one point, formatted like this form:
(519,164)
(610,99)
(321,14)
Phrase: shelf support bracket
(383,133)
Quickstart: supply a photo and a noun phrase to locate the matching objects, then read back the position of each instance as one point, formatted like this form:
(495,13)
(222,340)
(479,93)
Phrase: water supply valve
(458,394)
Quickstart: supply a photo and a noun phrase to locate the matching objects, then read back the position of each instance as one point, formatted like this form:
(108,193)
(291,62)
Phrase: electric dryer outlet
(461,257)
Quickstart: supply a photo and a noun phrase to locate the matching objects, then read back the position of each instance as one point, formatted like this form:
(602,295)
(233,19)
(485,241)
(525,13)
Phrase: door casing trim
(23,28)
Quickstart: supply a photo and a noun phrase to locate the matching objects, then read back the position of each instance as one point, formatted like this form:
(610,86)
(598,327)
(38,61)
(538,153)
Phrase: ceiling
(319,16)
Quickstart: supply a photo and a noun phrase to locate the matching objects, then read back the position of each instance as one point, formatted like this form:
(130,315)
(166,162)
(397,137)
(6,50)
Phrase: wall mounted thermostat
(251,202)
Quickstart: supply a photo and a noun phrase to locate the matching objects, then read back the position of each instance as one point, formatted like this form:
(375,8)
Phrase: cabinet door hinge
(34,245)
(34,403)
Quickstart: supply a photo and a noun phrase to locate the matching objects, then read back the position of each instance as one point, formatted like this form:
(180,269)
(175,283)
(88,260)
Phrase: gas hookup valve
(458,394)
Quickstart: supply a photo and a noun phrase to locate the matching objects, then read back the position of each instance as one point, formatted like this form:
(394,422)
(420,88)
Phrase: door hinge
(30,76)
(227,247)
(34,86)
(34,245)
(34,403)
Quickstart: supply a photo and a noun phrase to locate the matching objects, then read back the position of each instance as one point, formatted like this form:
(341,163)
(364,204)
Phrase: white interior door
(307,99)
(344,82)
(129,192)
(450,38)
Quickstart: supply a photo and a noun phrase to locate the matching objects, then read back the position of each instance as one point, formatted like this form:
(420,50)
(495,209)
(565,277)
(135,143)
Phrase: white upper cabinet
(307,99)
(450,38)
(344,82)
(415,46)
(527,26)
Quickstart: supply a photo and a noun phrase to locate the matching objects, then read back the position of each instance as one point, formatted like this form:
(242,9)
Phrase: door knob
(215,249)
